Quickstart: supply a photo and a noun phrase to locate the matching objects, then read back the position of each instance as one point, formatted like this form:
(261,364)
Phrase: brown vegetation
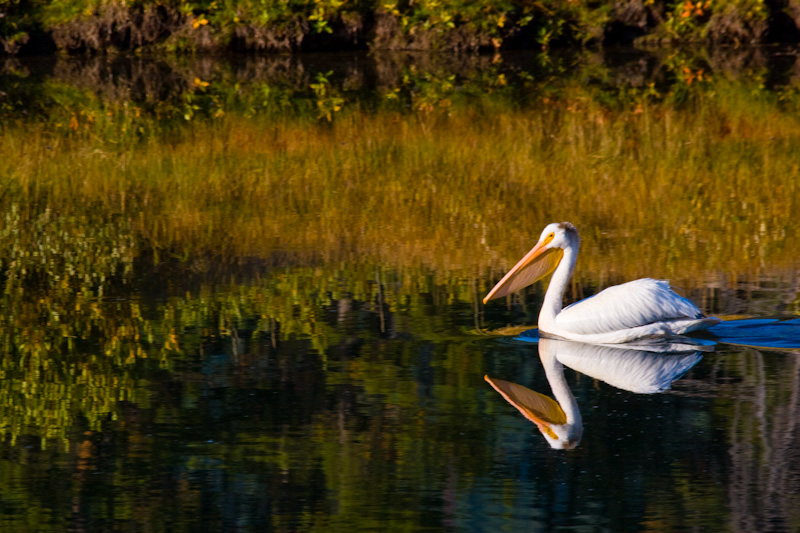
(116,26)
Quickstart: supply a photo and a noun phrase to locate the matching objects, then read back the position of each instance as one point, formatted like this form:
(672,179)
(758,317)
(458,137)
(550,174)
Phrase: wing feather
(632,304)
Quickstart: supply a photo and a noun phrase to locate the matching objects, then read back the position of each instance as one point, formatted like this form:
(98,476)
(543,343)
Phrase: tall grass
(655,189)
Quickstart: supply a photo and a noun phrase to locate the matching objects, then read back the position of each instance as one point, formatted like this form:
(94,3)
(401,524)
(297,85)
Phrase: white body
(622,313)
(619,314)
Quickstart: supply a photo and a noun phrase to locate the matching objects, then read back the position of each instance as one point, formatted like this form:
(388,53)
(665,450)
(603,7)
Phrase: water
(258,366)
(393,429)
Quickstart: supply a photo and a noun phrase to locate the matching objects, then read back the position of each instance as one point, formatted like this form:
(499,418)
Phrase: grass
(655,190)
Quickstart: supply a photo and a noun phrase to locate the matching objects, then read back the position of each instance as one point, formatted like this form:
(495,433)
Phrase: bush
(459,25)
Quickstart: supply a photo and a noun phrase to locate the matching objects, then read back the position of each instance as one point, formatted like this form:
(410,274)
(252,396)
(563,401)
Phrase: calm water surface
(396,428)
(324,392)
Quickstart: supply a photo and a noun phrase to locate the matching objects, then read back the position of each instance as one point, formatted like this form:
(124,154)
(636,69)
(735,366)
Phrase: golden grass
(676,193)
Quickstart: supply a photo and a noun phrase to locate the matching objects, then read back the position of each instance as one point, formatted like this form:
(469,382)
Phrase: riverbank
(455,25)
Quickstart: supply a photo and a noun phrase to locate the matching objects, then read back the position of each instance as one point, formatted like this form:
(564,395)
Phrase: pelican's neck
(553,298)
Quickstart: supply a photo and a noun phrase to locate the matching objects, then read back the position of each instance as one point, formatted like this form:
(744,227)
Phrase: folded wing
(632,304)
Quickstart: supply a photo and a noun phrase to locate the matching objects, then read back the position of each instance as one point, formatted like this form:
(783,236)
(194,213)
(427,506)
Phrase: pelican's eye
(548,238)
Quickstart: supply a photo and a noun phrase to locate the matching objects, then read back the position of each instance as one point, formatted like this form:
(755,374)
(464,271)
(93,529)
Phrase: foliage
(492,138)
(688,18)
(104,25)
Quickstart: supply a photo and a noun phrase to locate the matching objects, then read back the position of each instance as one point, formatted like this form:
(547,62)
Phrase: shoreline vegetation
(100,26)
(395,162)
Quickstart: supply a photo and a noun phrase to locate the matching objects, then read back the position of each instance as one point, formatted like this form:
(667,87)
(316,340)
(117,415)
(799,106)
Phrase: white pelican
(643,369)
(623,313)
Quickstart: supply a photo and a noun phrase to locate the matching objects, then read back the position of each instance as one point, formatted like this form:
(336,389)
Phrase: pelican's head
(540,261)
(559,235)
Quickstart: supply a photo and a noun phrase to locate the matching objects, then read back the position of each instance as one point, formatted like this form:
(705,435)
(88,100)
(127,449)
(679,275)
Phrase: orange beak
(536,264)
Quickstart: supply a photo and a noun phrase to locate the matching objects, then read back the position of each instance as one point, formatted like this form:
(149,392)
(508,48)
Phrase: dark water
(392,426)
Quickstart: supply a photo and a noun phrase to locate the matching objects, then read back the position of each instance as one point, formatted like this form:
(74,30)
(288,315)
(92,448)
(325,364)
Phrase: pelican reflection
(641,368)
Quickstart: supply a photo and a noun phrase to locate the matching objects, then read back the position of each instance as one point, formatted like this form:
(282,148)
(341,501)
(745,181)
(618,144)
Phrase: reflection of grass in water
(656,190)
(71,356)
